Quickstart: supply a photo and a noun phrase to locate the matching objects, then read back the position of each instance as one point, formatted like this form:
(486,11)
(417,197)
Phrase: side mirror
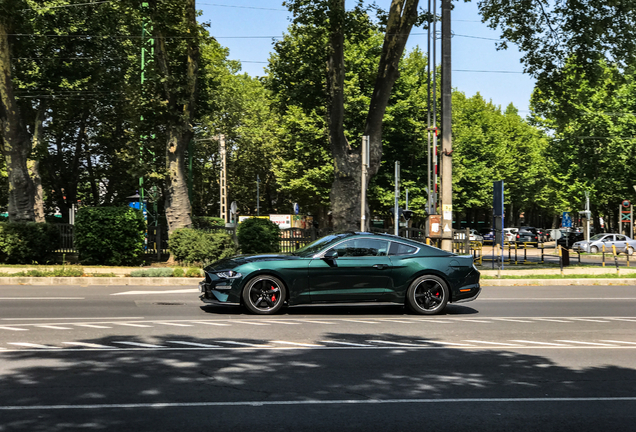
(331,254)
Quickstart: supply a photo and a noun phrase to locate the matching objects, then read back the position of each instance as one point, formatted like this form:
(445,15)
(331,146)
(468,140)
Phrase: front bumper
(217,294)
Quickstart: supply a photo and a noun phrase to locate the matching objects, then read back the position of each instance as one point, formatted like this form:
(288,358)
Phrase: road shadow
(352,388)
(380,310)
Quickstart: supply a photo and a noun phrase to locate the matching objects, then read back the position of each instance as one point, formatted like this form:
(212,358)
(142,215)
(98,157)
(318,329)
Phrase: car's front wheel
(593,249)
(427,295)
(264,295)
(630,250)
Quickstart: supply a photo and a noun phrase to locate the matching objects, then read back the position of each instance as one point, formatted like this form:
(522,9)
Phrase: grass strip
(567,276)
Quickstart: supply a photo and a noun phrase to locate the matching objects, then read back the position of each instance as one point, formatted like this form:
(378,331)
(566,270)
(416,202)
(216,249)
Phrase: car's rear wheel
(264,295)
(630,250)
(593,249)
(427,295)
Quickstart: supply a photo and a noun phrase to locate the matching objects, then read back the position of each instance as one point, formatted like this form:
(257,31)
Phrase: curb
(112,281)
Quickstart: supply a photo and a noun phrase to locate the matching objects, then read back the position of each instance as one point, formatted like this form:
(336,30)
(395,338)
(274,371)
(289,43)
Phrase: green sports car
(344,268)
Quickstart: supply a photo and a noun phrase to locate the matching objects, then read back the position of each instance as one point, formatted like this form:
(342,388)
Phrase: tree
(331,15)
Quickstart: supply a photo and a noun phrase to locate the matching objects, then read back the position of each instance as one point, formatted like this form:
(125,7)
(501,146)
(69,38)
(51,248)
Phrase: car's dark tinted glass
(401,249)
(316,246)
(362,247)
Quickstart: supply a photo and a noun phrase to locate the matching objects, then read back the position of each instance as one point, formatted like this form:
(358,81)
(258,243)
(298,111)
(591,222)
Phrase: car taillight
(517,235)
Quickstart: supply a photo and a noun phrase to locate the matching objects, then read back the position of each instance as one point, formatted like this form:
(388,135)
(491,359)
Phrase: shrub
(110,235)
(193,272)
(27,242)
(207,222)
(258,236)
(178,272)
(59,272)
(189,245)
(154,272)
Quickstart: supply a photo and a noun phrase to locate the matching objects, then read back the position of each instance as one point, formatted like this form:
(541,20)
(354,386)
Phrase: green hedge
(258,236)
(110,235)
(207,222)
(27,242)
(194,246)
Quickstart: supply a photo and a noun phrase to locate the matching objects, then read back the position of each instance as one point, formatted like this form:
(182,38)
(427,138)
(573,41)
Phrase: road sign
(626,203)
(296,208)
(555,234)
(566,221)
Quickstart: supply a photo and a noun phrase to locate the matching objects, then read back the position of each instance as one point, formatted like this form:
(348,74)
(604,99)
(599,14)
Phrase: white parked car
(510,234)
(475,236)
(623,244)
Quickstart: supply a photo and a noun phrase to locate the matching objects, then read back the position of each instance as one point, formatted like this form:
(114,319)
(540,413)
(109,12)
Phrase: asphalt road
(142,358)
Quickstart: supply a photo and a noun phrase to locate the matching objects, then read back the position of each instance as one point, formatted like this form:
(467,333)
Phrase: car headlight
(230,274)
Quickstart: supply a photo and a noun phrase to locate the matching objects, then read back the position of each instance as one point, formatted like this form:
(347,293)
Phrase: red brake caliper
(274,296)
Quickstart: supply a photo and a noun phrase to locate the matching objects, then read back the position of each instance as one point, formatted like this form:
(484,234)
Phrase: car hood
(239,260)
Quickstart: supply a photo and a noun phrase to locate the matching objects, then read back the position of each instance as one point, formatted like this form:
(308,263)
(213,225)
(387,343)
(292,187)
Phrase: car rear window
(401,249)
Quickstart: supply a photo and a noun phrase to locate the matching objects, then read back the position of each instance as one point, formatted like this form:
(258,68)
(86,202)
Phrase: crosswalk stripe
(317,322)
(211,323)
(585,343)
(394,343)
(537,343)
(31,345)
(54,327)
(133,325)
(175,324)
(14,329)
(296,343)
(449,343)
(88,345)
(244,344)
(346,343)
(93,326)
(552,320)
(619,342)
(361,321)
(588,320)
(489,343)
(283,322)
(250,323)
(512,320)
(138,344)
(194,344)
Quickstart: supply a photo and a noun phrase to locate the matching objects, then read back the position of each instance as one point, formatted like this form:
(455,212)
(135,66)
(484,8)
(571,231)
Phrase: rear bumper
(468,293)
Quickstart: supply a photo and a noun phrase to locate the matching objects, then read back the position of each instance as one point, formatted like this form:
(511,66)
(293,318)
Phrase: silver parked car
(623,244)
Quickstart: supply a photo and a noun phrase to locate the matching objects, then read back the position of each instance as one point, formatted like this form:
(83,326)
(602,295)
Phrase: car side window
(401,249)
(608,238)
(620,238)
(362,248)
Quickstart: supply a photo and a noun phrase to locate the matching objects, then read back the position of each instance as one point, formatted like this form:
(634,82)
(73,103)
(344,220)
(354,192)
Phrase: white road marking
(512,320)
(88,345)
(54,327)
(42,298)
(210,323)
(360,321)
(449,343)
(83,318)
(588,320)
(394,343)
(92,326)
(317,322)
(283,322)
(489,343)
(538,343)
(194,344)
(479,321)
(250,323)
(138,344)
(585,343)
(32,345)
(312,402)
(398,321)
(245,344)
(619,342)
(13,328)
(623,319)
(552,320)
(173,324)
(180,291)
(296,343)
(347,343)
(132,325)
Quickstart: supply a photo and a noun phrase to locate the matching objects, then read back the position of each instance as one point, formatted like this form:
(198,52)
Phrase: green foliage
(103,275)
(26,243)
(189,246)
(178,272)
(153,272)
(110,235)
(207,222)
(193,272)
(58,272)
(258,236)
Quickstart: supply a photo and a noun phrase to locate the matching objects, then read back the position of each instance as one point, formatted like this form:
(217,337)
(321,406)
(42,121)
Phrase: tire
(427,295)
(264,295)
(593,249)
(630,250)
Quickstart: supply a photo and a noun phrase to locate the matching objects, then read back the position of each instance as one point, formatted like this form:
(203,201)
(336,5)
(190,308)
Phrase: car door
(607,241)
(620,241)
(361,272)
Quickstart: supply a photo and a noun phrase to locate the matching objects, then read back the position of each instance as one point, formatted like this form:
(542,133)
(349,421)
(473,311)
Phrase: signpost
(626,216)
(498,219)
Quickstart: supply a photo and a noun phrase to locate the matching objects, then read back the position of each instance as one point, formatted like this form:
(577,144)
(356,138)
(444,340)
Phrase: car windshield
(597,237)
(318,245)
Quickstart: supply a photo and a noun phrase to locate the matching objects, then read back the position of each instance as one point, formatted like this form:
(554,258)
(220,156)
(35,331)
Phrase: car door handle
(381,266)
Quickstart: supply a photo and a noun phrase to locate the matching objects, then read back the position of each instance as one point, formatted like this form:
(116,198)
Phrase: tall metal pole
(434,107)
(147,57)
(223,178)
(447,145)
(429,204)
(363,183)
(396,207)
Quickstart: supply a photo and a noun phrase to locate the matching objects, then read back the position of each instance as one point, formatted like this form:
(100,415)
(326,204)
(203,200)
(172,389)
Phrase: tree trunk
(178,213)
(16,144)
(34,166)
(345,190)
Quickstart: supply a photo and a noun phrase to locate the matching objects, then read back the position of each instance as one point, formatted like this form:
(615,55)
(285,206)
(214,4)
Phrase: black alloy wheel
(428,295)
(264,295)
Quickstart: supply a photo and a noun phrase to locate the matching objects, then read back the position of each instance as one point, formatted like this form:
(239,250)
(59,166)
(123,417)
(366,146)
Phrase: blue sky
(246,27)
